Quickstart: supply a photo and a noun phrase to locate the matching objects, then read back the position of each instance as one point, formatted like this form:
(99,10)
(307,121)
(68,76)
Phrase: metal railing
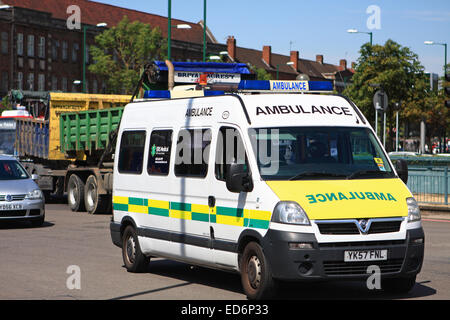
(429,184)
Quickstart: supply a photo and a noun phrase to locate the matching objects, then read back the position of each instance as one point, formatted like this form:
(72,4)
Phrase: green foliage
(261,74)
(398,71)
(121,51)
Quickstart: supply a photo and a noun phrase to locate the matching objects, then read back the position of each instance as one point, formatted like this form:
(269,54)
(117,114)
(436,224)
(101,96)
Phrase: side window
(230,148)
(131,154)
(159,152)
(191,159)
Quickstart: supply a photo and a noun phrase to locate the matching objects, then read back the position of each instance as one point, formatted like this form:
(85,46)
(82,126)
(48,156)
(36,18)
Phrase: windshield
(12,170)
(296,153)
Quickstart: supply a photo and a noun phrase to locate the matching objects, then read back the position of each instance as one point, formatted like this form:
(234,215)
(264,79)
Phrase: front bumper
(326,261)
(30,210)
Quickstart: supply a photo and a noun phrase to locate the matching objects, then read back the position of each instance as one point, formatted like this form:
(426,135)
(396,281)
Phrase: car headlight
(34,195)
(290,212)
(413,210)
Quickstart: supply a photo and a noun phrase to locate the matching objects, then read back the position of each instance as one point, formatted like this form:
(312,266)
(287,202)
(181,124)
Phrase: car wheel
(135,261)
(256,273)
(94,202)
(75,193)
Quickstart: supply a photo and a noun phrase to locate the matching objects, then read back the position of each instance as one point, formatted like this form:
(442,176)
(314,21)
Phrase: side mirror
(238,179)
(401,166)
(34,177)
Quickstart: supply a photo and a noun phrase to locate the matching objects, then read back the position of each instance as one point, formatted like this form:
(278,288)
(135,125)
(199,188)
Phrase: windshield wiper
(315,174)
(364,172)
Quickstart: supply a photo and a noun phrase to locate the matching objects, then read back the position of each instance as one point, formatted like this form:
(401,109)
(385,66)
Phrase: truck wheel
(75,193)
(94,202)
(256,273)
(135,261)
(398,285)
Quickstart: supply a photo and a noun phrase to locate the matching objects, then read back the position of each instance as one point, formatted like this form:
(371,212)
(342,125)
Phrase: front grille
(384,226)
(348,228)
(14,197)
(13,213)
(338,228)
(360,244)
(338,268)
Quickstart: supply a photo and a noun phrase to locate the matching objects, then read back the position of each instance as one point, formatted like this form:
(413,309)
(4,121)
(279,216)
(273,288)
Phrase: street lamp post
(204,30)
(356,31)
(290,63)
(445,52)
(85,27)
(169,30)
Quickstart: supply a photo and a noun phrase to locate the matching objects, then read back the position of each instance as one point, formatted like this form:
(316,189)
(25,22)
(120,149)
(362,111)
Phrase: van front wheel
(256,273)
(135,261)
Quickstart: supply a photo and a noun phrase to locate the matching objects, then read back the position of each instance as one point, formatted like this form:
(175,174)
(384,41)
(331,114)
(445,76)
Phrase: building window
(5,44)
(65,48)
(131,154)
(192,153)
(20,44)
(19,80)
(30,81)
(41,47)
(64,84)
(5,81)
(75,49)
(55,49)
(41,82)
(159,152)
(54,83)
(30,46)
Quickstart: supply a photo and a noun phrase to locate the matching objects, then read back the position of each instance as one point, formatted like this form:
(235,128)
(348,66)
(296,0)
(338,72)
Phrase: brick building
(39,52)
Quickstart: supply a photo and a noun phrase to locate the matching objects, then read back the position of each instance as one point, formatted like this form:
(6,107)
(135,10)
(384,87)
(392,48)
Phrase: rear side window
(159,152)
(131,154)
(192,153)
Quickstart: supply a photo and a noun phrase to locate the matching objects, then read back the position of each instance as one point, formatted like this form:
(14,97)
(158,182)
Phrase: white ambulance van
(291,187)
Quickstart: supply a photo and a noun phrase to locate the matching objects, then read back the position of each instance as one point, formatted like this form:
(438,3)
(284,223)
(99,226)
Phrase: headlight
(413,210)
(290,212)
(34,195)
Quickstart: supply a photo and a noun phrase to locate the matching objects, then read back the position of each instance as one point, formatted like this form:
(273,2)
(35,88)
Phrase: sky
(318,27)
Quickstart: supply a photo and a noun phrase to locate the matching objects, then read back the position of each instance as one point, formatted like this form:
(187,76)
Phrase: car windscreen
(305,153)
(12,170)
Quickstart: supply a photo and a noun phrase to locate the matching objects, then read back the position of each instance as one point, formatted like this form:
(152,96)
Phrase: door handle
(211,201)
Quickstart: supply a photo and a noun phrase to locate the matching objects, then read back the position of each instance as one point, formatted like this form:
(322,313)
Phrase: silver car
(20,197)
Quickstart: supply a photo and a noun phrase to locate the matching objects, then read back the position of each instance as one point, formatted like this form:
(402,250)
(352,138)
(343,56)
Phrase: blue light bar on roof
(157,94)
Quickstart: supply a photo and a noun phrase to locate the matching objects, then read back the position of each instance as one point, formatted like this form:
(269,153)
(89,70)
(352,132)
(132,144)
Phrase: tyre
(398,285)
(93,202)
(75,193)
(135,261)
(256,273)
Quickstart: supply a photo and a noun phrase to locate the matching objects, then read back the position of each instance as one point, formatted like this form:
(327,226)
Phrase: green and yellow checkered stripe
(195,212)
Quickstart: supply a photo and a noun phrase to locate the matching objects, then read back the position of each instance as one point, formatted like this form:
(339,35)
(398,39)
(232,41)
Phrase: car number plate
(365,255)
(10,206)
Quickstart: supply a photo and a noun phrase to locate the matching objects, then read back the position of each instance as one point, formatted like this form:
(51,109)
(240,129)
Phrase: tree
(122,51)
(261,74)
(398,71)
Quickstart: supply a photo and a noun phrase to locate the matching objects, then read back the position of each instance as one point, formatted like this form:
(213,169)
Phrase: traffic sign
(380,101)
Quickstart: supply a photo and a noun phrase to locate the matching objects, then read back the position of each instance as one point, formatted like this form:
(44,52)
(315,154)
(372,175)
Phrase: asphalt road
(35,263)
